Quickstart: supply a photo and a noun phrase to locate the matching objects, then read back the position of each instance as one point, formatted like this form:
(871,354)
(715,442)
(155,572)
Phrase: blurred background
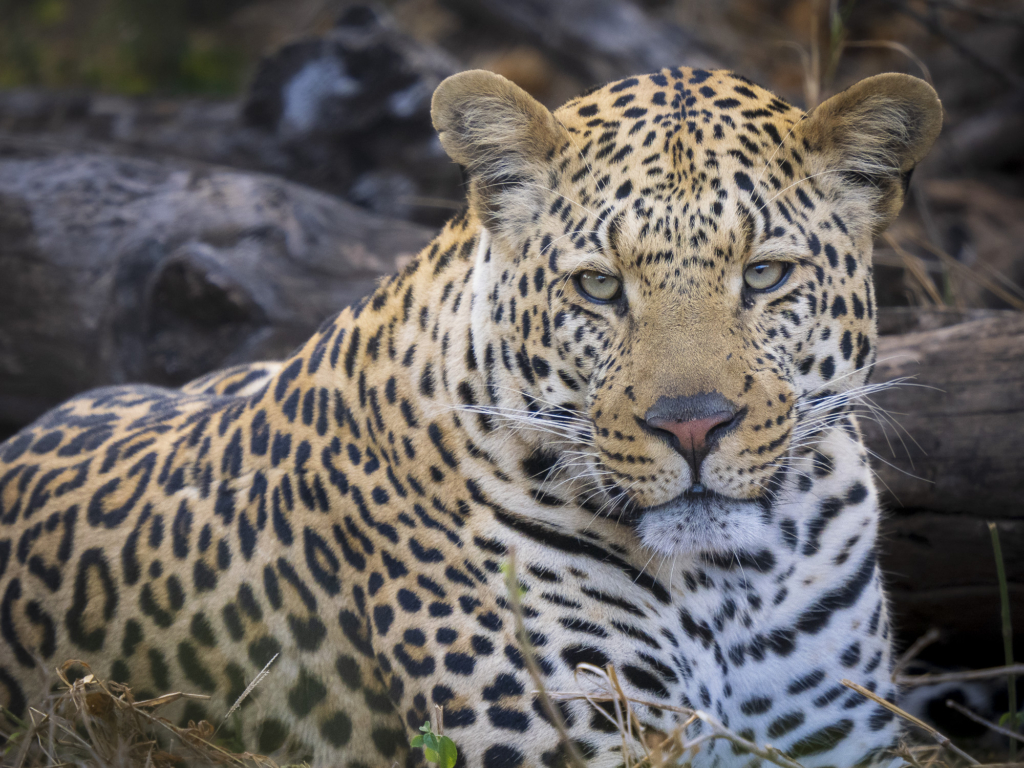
(188,184)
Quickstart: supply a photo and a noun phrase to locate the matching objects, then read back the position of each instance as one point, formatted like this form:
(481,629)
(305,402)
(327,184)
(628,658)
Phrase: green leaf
(439,750)
(1006,719)
(447,753)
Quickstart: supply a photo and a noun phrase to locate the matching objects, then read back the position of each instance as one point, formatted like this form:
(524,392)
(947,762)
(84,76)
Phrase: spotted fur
(349,510)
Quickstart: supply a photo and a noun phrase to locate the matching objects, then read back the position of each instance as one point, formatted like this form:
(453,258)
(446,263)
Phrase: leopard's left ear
(872,135)
(503,137)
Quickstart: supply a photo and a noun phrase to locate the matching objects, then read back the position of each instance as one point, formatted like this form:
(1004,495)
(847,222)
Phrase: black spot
(389,740)
(272,735)
(880,719)
(827,367)
(504,685)
(815,618)
(502,756)
(621,86)
(645,680)
(202,630)
(508,719)
(306,694)
(309,633)
(323,564)
(92,562)
(806,683)
(850,656)
(821,740)
(857,493)
(233,622)
(846,345)
(193,667)
(838,306)
(159,670)
(382,618)
(459,663)
(783,725)
(337,729)
(263,650)
(756,706)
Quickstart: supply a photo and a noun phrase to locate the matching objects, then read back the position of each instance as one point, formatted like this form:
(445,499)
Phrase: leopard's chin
(702,522)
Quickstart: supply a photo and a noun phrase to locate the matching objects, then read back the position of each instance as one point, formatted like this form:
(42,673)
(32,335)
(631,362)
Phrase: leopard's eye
(766,275)
(598,286)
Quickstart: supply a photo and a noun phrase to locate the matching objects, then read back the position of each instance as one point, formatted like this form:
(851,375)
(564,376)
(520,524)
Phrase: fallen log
(954,462)
(959,443)
(120,269)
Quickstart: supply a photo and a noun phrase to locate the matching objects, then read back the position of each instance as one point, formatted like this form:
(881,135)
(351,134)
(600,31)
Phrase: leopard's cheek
(647,470)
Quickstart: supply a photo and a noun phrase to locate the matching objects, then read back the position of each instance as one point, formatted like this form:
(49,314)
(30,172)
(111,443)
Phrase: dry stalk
(900,48)
(940,738)
(929,637)
(915,268)
(989,673)
(530,658)
(982,721)
(249,689)
(1011,298)
(95,722)
(627,721)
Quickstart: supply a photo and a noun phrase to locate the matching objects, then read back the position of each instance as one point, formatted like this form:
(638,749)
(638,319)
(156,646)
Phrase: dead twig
(249,689)
(982,721)
(929,637)
(530,658)
(1014,300)
(609,690)
(939,30)
(935,734)
(916,269)
(989,673)
(899,48)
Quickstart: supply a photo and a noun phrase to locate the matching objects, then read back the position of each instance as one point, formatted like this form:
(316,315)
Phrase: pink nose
(692,434)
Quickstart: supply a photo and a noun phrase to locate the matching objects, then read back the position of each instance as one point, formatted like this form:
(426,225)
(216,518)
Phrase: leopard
(594,451)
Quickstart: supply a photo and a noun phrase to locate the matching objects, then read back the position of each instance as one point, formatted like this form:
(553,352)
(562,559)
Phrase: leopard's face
(687,275)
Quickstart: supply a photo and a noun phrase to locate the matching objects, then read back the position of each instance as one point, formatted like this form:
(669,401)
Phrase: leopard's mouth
(700,520)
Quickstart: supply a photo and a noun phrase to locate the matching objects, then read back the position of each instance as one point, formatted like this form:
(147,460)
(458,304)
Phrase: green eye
(766,275)
(598,286)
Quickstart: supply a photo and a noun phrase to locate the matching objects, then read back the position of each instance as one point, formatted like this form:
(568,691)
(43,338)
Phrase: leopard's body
(349,510)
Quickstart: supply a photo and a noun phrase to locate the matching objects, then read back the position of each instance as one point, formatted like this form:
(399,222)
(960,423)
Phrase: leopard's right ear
(503,137)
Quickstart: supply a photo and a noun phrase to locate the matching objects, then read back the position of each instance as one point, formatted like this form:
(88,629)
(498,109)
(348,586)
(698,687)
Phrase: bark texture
(119,269)
(955,461)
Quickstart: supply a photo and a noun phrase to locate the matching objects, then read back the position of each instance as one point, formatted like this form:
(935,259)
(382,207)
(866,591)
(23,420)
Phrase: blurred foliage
(126,46)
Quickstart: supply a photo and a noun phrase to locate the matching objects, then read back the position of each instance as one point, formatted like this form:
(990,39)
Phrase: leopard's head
(676,267)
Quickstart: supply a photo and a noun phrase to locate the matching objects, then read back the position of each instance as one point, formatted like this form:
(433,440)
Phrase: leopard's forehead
(690,118)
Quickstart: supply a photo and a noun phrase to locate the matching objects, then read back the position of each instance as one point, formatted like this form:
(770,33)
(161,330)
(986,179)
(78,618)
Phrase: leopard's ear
(871,136)
(503,137)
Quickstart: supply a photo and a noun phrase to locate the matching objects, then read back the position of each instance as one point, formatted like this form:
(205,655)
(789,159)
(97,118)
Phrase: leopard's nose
(692,425)
(692,435)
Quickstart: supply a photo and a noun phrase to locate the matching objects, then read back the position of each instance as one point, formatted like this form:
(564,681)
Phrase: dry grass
(91,722)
